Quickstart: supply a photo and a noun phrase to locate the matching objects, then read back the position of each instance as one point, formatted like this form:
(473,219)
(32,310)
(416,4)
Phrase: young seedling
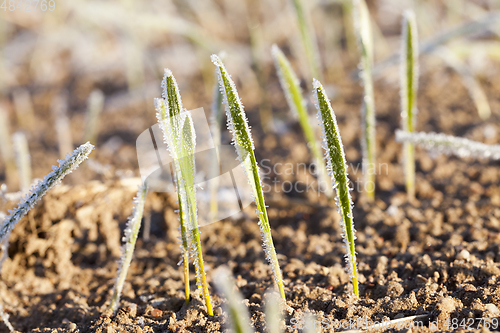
(337,166)
(23,160)
(216,119)
(308,39)
(66,166)
(95,106)
(24,108)
(179,135)
(365,42)
(291,86)
(274,313)
(242,140)
(409,87)
(450,145)
(238,317)
(129,239)
(6,149)
(63,128)
(469,80)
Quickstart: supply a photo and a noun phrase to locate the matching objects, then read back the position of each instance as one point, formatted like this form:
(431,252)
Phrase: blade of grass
(66,166)
(179,135)
(473,87)
(168,110)
(239,319)
(238,125)
(274,313)
(129,239)
(337,166)
(95,106)
(6,149)
(291,86)
(450,145)
(365,42)
(308,39)
(409,88)
(23,160)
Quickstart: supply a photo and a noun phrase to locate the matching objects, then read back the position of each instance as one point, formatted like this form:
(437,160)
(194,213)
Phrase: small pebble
(463,255)
(156,313)
(447,305)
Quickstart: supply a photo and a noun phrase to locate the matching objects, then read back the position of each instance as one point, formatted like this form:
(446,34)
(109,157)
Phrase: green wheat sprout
(23,160)
(178,132)
(308,39)
(293,93)
(274,313)
(242,140)
(238,317)
(129,240)
(95,106)
(337,166)
(450,145)
(409,88)
(66,166)
(365,41)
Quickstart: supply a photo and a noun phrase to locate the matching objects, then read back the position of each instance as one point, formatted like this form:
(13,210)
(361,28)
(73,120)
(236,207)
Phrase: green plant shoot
(239,319)
(178,131)
(291,86)
(66,166)
(129,239)
(365,41)
(238,125)
(337,166)
(409,88)
(308,39)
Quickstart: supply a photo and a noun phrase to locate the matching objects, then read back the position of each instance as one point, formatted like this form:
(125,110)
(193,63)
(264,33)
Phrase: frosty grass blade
(337,166)
(168,110)
(66,166)
(362,24)
(409,87)
(129,239)
(178,132)
(291,87)
(238,125)
(239,319)
(450,145)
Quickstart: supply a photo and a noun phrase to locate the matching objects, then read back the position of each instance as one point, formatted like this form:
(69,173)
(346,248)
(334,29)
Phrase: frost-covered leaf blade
(66,166)
(129,240)
(365,42)
(291,87)
(238,125)
(409,88)
(336,164)
(239,319)
(450,145)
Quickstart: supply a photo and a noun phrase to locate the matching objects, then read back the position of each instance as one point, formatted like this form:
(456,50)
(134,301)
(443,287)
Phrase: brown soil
(438,256)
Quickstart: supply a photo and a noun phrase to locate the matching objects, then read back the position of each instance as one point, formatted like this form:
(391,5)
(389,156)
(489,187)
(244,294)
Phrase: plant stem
(238,125)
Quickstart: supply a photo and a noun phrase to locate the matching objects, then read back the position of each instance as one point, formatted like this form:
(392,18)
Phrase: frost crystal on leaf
(66,166)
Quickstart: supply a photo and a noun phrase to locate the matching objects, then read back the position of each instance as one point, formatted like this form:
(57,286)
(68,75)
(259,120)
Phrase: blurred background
(52,60)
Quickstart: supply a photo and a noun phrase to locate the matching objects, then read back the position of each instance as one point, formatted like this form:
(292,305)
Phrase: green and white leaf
(409,88)
(242,140)
(293,93)
(129,240)
(337,166)
(450,145)
(66,166)
(365,41)
(237,312)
